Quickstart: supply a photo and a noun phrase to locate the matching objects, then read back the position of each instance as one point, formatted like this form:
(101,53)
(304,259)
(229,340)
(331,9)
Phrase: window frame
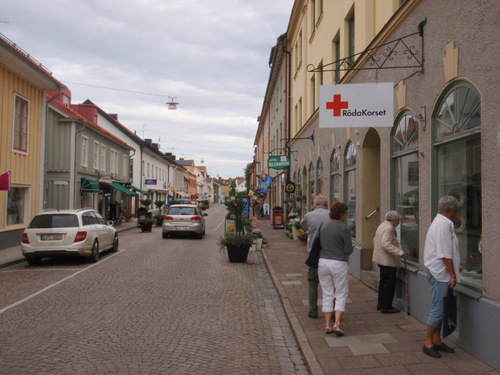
(17,126)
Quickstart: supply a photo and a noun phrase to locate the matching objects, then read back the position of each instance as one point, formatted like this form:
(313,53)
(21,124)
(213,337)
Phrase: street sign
(278,162)
(150,181)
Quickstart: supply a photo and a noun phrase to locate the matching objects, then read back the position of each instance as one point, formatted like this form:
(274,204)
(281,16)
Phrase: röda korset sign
(356,105)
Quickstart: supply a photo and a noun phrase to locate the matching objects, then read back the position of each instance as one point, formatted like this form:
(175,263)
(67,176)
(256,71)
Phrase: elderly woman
(333,268)
(386,254)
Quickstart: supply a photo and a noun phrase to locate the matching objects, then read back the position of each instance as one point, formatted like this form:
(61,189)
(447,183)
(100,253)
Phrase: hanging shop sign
(290,186)
(278,162)
(356,105)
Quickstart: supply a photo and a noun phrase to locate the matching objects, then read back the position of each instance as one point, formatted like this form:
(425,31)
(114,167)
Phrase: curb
(311,360)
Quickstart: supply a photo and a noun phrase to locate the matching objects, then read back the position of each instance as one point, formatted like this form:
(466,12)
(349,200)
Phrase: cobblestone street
(174,306)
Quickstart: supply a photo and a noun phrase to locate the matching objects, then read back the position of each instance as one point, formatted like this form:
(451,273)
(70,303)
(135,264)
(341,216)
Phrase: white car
(54,233)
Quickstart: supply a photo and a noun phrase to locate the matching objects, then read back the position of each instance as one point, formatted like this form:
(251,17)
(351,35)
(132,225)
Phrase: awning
(120,187)
(87,185)
(139,190)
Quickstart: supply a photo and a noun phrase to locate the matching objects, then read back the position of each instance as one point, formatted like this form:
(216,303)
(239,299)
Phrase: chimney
(148,141)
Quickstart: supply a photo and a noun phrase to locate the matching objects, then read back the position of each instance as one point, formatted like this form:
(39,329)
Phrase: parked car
(55,233)
(184,219)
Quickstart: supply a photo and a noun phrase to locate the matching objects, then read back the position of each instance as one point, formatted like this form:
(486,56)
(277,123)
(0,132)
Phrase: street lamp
(172,104)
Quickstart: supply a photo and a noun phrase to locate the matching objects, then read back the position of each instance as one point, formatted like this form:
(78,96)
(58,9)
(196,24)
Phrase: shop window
(17,199)
(311,190)
(334,177)
(350,186)
(457,129)
(404,146)
(319,177)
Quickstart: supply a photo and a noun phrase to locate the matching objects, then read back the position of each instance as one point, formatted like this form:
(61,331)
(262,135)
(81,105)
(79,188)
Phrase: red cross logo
(337,105)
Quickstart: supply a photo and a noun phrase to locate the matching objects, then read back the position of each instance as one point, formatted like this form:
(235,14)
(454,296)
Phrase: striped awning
(87,185)
(139,190)
(123,189)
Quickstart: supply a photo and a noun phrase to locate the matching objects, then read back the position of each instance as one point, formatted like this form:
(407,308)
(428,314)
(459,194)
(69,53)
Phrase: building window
(336,58)
(17,205)
(20,141)
(113,162)
(85,152)
(456,124)
(334,177)
(103,158)
(350,39)
(311,190)
(350,186)
(319,177)
(404,145)
(96,156)
(314,101)
(298,52)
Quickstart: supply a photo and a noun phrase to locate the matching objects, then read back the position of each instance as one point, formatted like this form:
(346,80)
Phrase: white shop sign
(356,105)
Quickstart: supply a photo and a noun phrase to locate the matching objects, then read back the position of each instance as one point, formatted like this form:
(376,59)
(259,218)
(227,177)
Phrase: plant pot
(295,233)
(303,242)
(237,254)
(258,243)
(146,227)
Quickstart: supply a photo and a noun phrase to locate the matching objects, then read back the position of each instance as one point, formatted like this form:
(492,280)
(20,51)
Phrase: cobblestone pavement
(174,306)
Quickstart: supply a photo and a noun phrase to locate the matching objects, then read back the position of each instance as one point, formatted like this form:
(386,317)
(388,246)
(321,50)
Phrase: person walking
(333,267)
(311,223)
(386,254)
(442,260)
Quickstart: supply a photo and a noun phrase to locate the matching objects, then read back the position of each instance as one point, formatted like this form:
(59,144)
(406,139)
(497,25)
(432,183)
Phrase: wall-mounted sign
(278,162)
(356,105)
(150,181)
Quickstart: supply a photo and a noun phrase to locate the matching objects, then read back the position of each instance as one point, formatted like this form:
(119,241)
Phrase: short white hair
(447,203)
(392,216)
(320,200)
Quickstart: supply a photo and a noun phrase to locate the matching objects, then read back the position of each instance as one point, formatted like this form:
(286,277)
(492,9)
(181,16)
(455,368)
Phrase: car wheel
(164,235)
(115,244)
(199,236)
(95,252)
(33,260)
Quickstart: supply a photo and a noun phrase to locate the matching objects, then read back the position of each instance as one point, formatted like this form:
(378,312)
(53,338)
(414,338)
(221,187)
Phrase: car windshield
(54,221)
(182,211)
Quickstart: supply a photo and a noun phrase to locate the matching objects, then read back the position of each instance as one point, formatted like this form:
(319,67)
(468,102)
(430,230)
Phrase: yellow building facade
(22,118)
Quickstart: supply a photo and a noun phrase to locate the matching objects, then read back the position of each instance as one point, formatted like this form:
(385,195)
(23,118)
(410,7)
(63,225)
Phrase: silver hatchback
(184,219)
(53,233)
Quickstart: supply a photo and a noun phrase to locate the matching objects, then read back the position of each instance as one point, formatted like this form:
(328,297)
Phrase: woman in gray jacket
(333,267)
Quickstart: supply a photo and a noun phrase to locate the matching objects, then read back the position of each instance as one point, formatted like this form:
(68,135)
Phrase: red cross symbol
(337,104)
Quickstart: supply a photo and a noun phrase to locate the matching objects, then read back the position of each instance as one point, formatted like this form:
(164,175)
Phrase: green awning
(139,190)
(123,189)
(87,185)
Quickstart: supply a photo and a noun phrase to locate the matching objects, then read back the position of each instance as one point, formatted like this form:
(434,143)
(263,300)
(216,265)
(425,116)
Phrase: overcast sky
(130,56)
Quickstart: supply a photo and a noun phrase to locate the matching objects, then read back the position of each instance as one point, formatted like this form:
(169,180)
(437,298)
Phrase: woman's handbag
(450,313)
(313,258)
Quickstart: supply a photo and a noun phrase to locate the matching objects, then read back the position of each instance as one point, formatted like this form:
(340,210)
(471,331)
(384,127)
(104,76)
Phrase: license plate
(181,228)
(51,237)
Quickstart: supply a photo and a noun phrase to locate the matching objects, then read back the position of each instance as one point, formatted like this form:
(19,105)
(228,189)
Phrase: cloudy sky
(131,56)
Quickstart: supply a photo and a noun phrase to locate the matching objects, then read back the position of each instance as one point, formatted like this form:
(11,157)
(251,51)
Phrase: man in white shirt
(442,260)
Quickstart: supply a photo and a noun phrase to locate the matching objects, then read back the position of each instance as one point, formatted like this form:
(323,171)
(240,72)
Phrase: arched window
(456,125)
(319,177)
(311,190)
(350,186)
(404,146)
(334,177)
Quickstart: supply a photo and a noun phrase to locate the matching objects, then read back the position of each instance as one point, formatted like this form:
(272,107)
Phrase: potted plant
(258,238)
(296,227)
(237,243)
(264,243)
(302,237)
(146,224)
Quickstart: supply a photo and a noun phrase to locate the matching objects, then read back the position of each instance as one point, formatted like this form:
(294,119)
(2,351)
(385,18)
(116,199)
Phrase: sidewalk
(374,343)
(14,255)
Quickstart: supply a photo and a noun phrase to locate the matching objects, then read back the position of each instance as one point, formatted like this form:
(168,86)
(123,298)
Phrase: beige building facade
(443,138)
